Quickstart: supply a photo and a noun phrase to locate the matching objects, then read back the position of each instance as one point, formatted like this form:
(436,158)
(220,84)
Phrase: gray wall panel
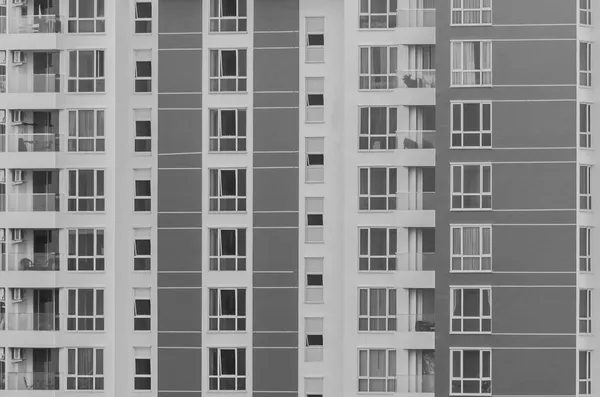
(180,131)
(169,41)
(277,39)
(179,339)
(276,66)
(514,341)
(276,219)
(179,280)
(179,220)
(273,376)
(276,15)
(500,94)
(179,16)
(518,32)
(275,249)
(187,317)
(275,279)
(179,370)
(276,189)
(179,250)
(276,129)
(513,279)
(268,100)
(508,217)
(180,190)
(172,77)
(179,101)
(535,12)
(190,160)
(275,159)
(274,339)
(275,309)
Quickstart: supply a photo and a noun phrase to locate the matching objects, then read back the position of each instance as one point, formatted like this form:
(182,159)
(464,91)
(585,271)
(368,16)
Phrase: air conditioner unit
(18,116)
(19,58)
(17,354)
(17,176)
(17,236)
(2,355)
(17,294)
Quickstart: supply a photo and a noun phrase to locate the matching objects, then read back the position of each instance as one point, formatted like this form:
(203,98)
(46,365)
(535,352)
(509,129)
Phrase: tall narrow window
(314,280)
(377,14)
(314,219)
(228,70)
(585,373)
(85,250)
(86,16)
(471,372)
(315,160)
(142,201)
(378,188)
(227,250)
(143,16)
(585,12)
(226,369)
(313,326)
(142,250)
(315,99)
(85,369)
(471,63)
(227,190)
(227,130)
(585,311)
(227,309)
(143,369)
(471,186)
(315,39)
(377,309)
(3,57)
(86,130)
(471,310)
(143,71)
(378,127)
(585,125)
(472,124)
(142,315)
(585,64)
(85,310)
(585,249)
(143,130)
(377,249)
(378,68)
(86,71)
(86,190)
(228,16)
(472,12)
(585,187)
(377,370)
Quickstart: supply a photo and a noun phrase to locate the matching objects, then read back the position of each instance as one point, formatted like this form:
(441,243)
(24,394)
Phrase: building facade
(297,197)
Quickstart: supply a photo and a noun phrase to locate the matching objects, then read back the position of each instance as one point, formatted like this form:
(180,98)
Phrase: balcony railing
(32,142)
(31,202)
(415,261)
(417,139)
(36,24)
(32,321)
(32,381)
(416,18)
(415,383)
(30,261)
(416,78)
(415,201)
(419,322)
(46,82)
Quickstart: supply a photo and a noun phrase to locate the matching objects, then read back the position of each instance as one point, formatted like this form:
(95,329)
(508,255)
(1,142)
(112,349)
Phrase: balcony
(31,202)
(31,143)
(415,18)
(417,139)
(32,322)
(424,383)
(416,78)
(35,24)
(24,381)
(35,83)
(415,201)
(21,262)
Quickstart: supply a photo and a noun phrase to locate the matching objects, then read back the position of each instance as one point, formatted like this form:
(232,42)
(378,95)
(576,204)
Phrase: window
(377,370)
(585,125)
(585,12)
(86,16)
(3,55)
(143,71)
(143,378)
(86,190)
(585,187)
(227,368)
(228,70)
(86,130)
(227,249)
(585,64)
(471,310)
(471,12)
(315,160)
(378,68)
(314,280)
(471,63)
(142,250)
(86,310)
(227,130)
(86,250)
(585,249)
(142,201)
(85,369)
(227,190)
(315,39)
(377,14)
(471,372)
(143,130)
(471,248)
(378,128)
(472,125)
(143,16)
(377,309)
(585,311)
(315,99)
(377,189)
(377,249)
(142,317)
(228,16)
(313,387)
(227,309)
(471,186)
(313,326)
(314,219)
(86,70)
(585,372)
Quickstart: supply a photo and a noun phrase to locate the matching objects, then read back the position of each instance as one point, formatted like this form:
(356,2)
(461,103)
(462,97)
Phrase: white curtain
(457,63)
(469,63)
(471,248)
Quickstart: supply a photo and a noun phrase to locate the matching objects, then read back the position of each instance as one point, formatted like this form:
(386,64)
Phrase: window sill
(227,92)
(471,209)
(389,29)
(228,332)
(241,152)
(236,33)
(471,271)
(472,86)
(376,90)
(470,333)
(454,25)
(314,303)
(142,93)
(470,147)
(314,62)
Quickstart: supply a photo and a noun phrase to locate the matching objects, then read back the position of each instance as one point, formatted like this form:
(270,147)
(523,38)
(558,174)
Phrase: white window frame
(98,258)
(366,199)
(97,318)
(99,21)
(99,79)
(217,19)
(97,138)
(585,313)
(217,320)
(313,386)
(240,77)
(585,249)
(144,258)
(369,321)
(97,375)
(585,70)
(390,258)
(142,295)
(458,319)
(459,262)
(585,12)
(315,208)
(460,76)
(216,258)
(142,57)
(482,14)
(142,21)
(585,187)
(367,141)
(216,138)
(585,125)
(365,379)
(585,373)
(315,160)
(314,280)
(315,89)
(458,191)
(485,382)
(98,200)
(368,15)
(218,201)
(315,26)
(216,375)
(391,77)
(142,116)
(144,200)
(142,354)
(483,133)
(313,350)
